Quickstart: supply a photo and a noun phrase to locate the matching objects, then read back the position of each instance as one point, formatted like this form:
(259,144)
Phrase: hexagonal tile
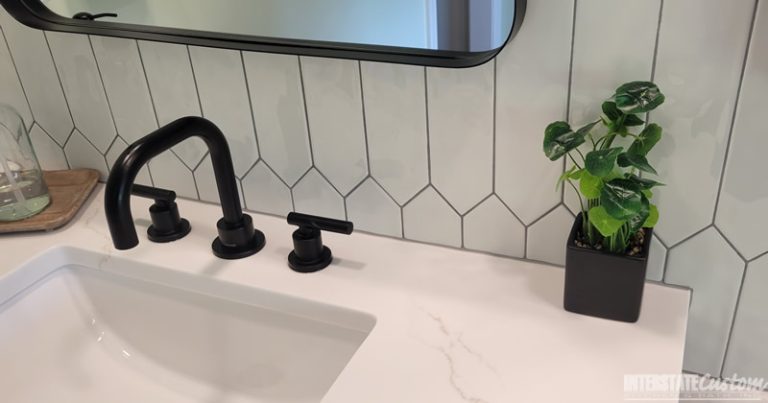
(547,237)
(49,154)
(83,87)
(461,133)
(429,218)
(396,119)
(123,74)
(173,90)
(747,351)
(491,227)
(38,75)
(81,154)
(335,112)
(169,172)
(221,84)
(11,92)
(206,183)
(265,192)
(278,110)
(699,108)
(742,214)
(117,148)
(314,195)
(372,210)
(707,264)
(531,91)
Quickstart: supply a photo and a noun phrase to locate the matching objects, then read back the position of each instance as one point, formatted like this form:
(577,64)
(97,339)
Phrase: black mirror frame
(34,14)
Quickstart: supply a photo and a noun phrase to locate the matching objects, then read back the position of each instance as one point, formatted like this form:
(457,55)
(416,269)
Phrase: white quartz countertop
(451,325)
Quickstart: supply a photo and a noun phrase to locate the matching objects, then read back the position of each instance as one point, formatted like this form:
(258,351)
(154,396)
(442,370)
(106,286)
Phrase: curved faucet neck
(123,174)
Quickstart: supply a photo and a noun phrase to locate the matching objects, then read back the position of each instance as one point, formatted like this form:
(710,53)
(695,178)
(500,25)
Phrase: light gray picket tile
(11,92)
(532,91)
(221,83)
(547,237)
(38,75)
(81,154)
(265,192)
(461,133)
(314,195)
(429,218)
(83,87)
(48,152)
(335,111)
(274,82)
(395,112)
(700,58)
(490,227)
(708,265)
(372,210)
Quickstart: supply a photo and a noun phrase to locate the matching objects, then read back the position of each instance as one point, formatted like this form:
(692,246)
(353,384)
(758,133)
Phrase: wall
(454,157)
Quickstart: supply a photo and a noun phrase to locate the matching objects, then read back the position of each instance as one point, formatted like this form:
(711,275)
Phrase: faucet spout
(237,237)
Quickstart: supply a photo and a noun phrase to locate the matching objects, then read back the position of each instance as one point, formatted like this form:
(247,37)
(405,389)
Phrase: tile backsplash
(452,157)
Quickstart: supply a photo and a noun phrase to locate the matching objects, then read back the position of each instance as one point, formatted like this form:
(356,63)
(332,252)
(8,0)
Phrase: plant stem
(574,160)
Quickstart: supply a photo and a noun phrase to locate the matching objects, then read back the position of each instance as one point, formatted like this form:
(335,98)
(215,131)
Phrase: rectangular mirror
(446,33)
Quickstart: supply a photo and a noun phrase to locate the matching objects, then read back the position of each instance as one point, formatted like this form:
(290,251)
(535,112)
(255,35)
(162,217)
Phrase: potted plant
(607,250)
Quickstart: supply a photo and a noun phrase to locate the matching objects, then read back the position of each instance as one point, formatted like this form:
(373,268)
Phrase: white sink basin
(77,328)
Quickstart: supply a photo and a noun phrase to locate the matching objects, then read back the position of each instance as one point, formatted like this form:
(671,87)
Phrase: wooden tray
(69,190)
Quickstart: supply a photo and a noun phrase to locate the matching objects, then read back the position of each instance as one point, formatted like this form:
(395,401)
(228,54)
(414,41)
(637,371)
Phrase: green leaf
(600,163)
(643,183)
(636,221)
(559,139)
(638,97)
(604,222)
(611,111)
(633,120)
(638,161)
(646,140)
(590,185)
(653,217)
(621,198)
(573,173)
(647,193)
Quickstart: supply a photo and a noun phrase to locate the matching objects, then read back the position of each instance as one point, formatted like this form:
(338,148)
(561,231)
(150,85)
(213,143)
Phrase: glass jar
(22,190)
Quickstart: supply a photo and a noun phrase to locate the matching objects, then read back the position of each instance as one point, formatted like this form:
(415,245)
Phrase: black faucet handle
(167,224)
(309,254)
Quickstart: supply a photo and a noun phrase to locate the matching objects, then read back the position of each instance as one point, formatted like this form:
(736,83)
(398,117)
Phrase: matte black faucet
(237,237)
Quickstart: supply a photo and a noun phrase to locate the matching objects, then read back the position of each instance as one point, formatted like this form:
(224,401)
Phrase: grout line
(18,76)
(306,115)
(302,177)
(544,215)
(69,136)
(402,223)
(416,195)
(103,88)
(426,110)
(666,265)
(194,80)
(262,160)
(446,201)
(730,138)
(689,237)
(506,206)
(331,183)
(205,155)
(385,190)
(525,243)
(365,120)
(146,80)
(61,86)
(758,257)
(656,44)
(733,319)
(570,63)
(728,241)
(250,105)
(471,209)
(494,114)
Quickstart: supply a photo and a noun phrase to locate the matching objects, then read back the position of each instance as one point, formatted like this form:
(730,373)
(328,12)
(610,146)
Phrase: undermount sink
(80,327)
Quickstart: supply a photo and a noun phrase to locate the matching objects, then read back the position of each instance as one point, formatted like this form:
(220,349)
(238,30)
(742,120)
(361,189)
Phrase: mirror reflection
(454,25)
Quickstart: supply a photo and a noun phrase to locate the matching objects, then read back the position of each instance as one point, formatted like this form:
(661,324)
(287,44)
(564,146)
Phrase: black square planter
(602,284)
